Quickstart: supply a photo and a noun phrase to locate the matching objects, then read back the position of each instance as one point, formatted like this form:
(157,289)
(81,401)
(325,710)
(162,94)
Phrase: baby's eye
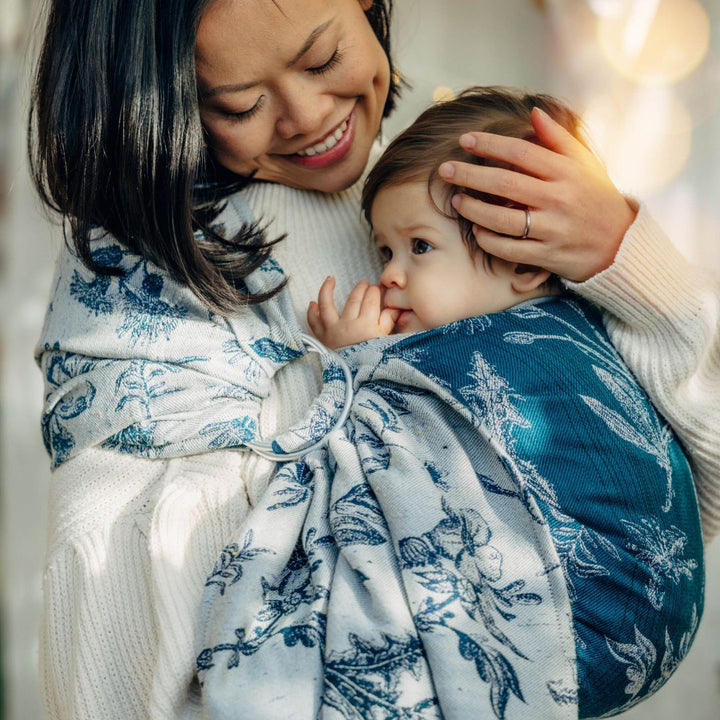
(419,246)
(385,253)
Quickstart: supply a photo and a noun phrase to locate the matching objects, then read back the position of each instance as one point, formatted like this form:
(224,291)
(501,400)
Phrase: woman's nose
(304,112)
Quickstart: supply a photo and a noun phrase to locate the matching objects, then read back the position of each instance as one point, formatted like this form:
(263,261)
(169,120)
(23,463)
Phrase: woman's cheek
(219,134)
(230,146)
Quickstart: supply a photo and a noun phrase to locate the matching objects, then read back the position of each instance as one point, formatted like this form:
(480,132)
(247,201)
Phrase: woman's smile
(331,149)
(299,102)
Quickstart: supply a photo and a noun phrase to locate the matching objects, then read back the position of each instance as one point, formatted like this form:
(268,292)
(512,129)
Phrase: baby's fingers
(370,307)
(388,318)
(313,319)
(326,304)
(354,303)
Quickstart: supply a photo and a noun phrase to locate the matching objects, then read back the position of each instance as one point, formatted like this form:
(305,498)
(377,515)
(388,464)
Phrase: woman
(145,115)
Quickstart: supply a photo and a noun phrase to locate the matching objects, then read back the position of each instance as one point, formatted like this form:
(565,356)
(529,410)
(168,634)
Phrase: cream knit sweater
(131,541)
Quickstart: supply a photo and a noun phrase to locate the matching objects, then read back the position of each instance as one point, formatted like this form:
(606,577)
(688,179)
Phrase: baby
(434,272)
(435,275)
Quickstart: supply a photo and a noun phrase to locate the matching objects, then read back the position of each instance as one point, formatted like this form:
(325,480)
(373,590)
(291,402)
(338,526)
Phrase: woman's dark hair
(417,153)
(115,141)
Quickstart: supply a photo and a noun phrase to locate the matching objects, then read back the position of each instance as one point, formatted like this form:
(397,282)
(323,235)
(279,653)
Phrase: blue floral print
(465,505)
(444,555)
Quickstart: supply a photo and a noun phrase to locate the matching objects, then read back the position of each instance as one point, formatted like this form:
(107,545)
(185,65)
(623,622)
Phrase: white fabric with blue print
(503,527)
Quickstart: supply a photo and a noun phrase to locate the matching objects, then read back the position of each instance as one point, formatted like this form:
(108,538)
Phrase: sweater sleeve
(663,316)
(132,542)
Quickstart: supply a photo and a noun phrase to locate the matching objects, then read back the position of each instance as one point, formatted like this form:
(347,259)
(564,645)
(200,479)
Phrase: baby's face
(429,274)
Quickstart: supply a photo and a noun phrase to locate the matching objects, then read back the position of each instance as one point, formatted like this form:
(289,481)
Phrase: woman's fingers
(500,182)
(503,220)
(543,158)
(514,250)
(578,218)
(529,157)
(556,138)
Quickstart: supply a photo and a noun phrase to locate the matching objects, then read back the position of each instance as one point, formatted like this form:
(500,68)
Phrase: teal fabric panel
(609,478)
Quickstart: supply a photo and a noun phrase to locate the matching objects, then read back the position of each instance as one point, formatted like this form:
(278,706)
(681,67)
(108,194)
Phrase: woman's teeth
(329,142)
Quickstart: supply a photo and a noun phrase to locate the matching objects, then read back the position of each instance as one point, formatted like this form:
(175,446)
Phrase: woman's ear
(365,4)
(526,278)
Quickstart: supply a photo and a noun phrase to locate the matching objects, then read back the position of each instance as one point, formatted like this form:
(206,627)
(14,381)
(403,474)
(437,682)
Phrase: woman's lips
(332,155)
(330,140)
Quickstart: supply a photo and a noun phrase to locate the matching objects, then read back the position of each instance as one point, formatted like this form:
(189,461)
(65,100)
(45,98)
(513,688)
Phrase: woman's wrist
(648,281)
(623,218)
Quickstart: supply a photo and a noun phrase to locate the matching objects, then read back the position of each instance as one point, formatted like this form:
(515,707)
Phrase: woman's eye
(328,65)
(247,114)
(419,247)
(385,253)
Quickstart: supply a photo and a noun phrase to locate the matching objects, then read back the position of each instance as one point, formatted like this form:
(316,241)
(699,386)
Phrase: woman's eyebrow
(314,35)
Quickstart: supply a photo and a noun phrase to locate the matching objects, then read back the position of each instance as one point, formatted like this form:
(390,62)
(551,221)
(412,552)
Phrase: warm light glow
(442,93)
(699,92)
(606,7)
(655,41)
(644,138)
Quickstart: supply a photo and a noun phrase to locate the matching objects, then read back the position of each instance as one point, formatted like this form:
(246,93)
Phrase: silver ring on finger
(526,231)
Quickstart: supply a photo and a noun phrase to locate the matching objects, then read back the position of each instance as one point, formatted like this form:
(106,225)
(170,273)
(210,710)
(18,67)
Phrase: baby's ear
(526,278)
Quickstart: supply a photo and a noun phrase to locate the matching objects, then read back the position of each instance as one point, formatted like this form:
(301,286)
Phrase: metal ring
(527,225)
(265,449)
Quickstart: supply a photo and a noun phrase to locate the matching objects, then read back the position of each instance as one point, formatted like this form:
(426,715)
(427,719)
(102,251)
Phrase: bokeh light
(442,93)
(644,136)
(655,41)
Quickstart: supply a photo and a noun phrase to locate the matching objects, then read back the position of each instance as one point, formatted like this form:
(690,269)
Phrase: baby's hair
(417,153)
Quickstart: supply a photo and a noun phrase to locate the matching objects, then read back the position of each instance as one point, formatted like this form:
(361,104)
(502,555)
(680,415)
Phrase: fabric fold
(145,368)
(484,537)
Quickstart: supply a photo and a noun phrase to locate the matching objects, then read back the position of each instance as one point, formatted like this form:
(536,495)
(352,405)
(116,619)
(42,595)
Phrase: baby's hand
(362,317)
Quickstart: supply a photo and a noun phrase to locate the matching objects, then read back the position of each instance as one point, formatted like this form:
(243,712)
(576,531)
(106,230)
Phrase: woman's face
(293,90)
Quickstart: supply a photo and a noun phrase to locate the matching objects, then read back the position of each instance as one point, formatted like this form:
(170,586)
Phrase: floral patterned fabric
(504,528)
(145,368)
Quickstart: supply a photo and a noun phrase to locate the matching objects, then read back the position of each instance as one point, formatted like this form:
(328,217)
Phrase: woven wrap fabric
(144,368)
(503,528)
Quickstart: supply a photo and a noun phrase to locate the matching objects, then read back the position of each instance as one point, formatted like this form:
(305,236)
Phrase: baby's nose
(393,275)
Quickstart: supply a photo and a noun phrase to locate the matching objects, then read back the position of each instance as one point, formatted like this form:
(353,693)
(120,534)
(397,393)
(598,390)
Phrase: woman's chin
(326,180)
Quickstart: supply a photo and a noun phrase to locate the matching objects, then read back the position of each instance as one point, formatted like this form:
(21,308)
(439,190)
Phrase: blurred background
(645,75)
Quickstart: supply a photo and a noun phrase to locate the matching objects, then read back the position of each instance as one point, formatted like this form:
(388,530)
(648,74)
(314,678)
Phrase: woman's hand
(362,318)
(578,218)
